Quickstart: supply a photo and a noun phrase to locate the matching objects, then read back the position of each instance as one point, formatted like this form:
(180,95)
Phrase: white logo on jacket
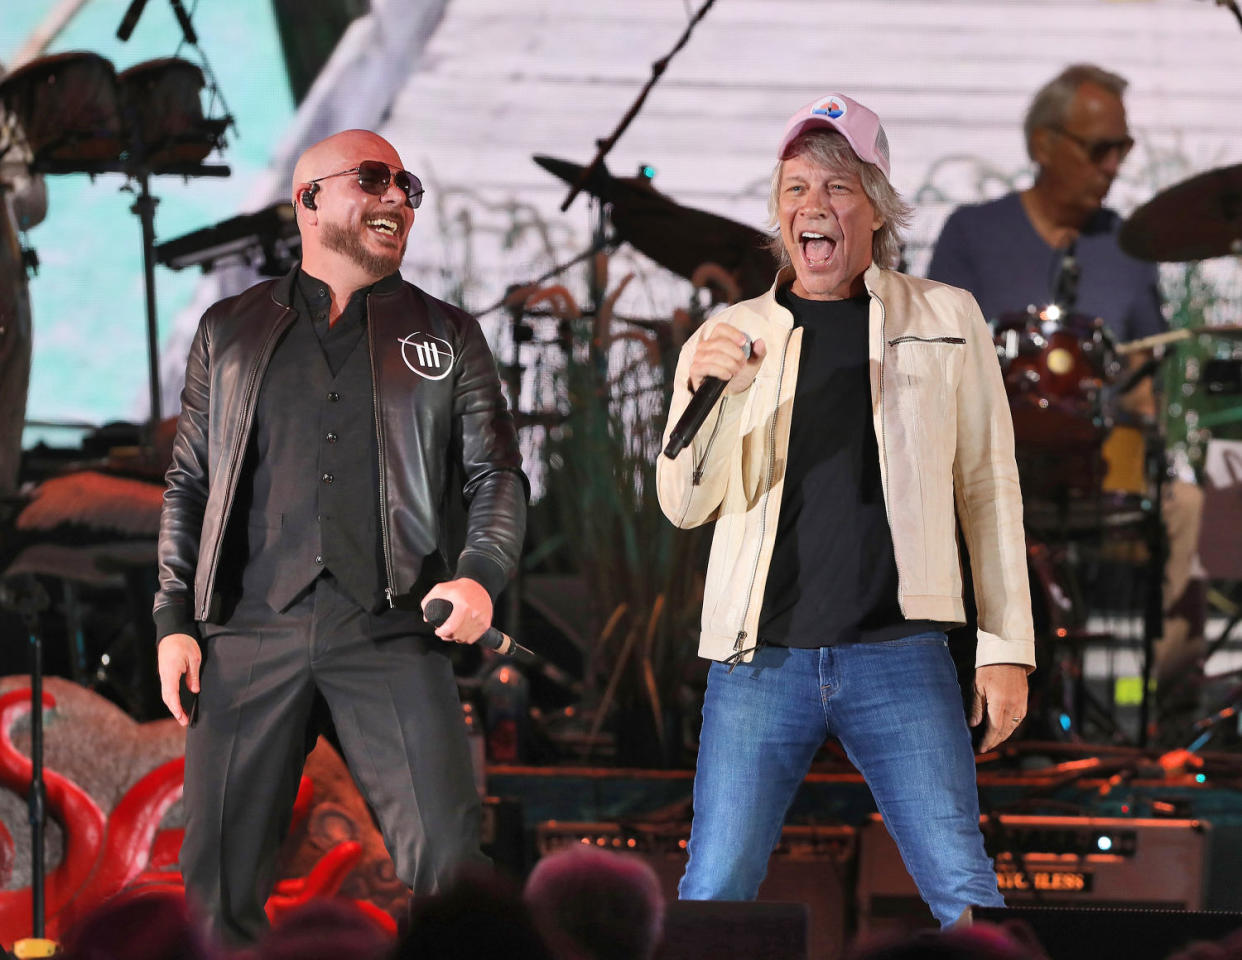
(428,356)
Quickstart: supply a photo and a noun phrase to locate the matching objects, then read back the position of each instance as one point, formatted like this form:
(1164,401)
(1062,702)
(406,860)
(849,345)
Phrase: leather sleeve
(494,487)
(185,498)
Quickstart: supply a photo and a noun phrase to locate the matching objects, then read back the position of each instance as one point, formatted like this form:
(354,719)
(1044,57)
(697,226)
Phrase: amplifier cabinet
(1052,861)
(811,865)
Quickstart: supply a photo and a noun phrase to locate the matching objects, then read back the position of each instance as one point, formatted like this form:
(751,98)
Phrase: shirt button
(319,558)
(333,396)
(330,437)
(321,315)
(327,478)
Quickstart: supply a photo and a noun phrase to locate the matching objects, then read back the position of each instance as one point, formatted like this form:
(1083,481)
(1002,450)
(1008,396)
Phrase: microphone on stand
(183,20)
(1065,295)
(697,410)
(130,20)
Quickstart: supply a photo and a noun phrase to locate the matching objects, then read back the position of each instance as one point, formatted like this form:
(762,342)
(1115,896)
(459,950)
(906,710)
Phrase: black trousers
(395,707)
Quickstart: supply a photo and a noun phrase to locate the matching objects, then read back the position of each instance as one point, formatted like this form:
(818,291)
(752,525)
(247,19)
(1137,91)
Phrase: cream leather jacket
(945,437)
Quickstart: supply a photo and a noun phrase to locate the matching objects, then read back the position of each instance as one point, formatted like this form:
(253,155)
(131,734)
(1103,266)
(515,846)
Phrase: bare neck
(1056,222)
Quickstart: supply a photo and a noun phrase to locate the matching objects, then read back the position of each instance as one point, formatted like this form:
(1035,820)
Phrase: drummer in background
(1009,253)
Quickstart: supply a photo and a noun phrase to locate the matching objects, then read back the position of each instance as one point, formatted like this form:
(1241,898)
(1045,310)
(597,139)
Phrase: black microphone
(1066,295)
(696,411)
(439,610)
(130,20)
(183,19)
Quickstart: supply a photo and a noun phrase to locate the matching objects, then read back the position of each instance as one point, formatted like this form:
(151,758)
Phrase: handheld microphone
(697,409)
(438,610)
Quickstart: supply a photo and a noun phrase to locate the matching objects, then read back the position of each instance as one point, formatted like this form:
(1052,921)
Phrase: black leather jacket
(442,426)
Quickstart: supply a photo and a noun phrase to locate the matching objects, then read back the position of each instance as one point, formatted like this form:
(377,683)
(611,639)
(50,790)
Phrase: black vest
(310,488)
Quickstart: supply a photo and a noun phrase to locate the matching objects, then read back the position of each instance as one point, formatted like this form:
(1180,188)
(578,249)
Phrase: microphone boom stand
(26,597)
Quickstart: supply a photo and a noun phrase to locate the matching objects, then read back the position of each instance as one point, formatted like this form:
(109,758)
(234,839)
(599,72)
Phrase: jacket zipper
(383,462)
(883,441)
(696,476)
(893,343)
(767,492)
(265,354)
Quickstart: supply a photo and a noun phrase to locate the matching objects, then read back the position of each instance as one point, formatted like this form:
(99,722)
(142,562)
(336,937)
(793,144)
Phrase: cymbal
(676,237)
(1192,220)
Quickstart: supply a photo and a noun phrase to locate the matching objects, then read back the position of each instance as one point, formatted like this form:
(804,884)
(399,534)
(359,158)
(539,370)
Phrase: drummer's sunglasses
(1097,151)
(374,176)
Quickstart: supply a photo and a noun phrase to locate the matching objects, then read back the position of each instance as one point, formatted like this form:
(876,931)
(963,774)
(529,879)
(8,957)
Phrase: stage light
(647,171)
(1104,843)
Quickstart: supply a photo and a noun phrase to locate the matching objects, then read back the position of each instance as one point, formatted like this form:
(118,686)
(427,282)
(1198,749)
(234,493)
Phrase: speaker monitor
(729,929)
(1098,862)
(1089,933)
(809,867)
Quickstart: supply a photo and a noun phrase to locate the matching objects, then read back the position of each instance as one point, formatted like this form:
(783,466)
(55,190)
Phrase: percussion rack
(144,207)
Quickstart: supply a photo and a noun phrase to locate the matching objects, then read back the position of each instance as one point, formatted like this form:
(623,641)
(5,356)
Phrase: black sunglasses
(1097,151)
(374,176)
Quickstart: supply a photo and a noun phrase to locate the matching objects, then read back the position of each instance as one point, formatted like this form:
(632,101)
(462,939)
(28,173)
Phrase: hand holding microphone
(437,611)
(726,361)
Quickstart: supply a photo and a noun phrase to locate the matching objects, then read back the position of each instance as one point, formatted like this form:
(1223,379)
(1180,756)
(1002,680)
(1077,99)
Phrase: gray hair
(827,148)
(1050,106)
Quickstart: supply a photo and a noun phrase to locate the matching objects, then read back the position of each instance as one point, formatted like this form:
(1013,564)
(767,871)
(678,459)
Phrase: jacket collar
(282,291)
(875,279)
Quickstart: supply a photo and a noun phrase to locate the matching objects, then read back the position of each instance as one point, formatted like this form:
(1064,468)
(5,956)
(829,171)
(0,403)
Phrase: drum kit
(73,113)
(1090,472)
(1065,373)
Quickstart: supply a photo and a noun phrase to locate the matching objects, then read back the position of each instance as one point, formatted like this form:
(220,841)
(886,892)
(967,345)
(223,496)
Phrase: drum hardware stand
(657,71)
(26,597)
(1157,552)
(1188,675)
(603,241)
(1078,701)
(1205,728)
(610,243)
(1054,575)
(144,206)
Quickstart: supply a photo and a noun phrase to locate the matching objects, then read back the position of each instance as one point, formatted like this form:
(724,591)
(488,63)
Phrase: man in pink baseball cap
(861,418)
(860,127)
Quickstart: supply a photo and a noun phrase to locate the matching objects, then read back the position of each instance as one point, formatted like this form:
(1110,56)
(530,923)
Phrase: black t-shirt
(833,578)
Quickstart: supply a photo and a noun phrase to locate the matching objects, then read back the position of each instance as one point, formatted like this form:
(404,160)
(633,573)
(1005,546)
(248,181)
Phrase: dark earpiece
(308,196)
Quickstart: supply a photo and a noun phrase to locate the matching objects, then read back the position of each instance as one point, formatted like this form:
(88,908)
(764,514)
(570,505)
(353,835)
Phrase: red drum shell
(1054,372)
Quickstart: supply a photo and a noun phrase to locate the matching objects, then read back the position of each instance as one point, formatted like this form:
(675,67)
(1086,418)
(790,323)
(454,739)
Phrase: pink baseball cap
(860,126)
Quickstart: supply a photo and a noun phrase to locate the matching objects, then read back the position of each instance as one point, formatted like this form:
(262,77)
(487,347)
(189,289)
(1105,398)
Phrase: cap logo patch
(832,107)
(430,357)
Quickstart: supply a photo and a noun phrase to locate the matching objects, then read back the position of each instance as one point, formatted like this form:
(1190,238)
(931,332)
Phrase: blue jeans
(896,708)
